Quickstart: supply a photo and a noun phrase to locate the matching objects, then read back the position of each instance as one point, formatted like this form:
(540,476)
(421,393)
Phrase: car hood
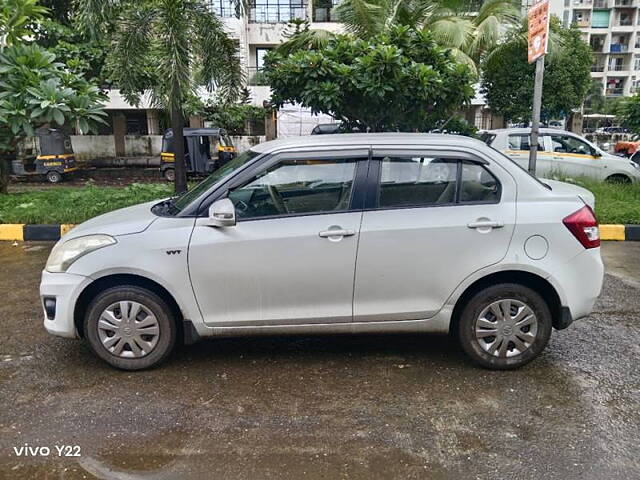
(569,190)
(124,221)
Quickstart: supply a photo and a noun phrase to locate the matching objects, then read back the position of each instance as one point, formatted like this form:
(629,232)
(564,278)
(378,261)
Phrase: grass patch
(615,203)
(75,204)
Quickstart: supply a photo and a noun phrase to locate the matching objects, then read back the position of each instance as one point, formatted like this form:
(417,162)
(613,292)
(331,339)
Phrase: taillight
(584,226)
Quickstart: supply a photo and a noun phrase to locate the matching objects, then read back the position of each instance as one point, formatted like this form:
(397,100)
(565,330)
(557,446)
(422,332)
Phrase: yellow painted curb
(611,232)
(65,227)
(11,231)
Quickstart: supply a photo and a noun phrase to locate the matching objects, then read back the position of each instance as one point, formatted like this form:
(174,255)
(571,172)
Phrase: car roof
(381,139)
(528,130)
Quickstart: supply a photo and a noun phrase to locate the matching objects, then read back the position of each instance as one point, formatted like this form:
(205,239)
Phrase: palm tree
(468,28)
(169,48)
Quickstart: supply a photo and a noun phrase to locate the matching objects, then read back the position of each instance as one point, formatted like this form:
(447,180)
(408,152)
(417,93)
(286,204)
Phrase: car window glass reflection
(297,187)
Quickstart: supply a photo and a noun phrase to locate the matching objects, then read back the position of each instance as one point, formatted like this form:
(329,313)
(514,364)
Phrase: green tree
(80,53)
(507,79)
(397,80)
(170,48)
(468,28)
(16,17)
(629,113)
(36,90)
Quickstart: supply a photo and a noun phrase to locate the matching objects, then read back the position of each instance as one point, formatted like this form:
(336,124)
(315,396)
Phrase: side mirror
(222,213)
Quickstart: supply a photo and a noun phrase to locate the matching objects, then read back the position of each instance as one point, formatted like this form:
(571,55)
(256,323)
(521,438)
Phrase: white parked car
(563,153)
(335,234)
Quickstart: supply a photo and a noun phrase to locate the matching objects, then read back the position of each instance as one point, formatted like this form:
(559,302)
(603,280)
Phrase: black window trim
(375,169)
(362,154)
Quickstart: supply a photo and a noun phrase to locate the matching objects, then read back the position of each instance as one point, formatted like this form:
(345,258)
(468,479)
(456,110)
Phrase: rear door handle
(485,224)
(338,232)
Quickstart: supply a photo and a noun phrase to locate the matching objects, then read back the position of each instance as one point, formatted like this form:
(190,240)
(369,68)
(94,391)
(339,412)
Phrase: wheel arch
(113,280)
(619,177)
(528,279)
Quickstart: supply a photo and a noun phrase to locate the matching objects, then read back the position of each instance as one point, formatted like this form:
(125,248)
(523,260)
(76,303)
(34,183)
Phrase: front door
(290,258)
(435,220)
(572,156)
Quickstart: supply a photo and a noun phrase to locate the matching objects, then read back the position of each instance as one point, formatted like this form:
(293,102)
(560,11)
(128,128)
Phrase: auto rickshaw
(205,150)
(49,153)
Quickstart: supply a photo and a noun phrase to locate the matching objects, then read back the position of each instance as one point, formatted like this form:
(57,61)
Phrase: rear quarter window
(487,137)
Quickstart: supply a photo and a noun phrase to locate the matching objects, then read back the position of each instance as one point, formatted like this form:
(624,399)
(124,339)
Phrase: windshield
(181,202)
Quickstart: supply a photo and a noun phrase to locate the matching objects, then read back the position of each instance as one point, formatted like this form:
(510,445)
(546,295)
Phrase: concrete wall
(142,145)
(140,150)
(91,147)
(88,147)
(246,142)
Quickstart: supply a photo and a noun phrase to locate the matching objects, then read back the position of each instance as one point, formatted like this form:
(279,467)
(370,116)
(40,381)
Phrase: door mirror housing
(222,213)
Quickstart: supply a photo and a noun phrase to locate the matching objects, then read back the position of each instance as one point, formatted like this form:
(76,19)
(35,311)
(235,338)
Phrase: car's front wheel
(130,327)
(504,326)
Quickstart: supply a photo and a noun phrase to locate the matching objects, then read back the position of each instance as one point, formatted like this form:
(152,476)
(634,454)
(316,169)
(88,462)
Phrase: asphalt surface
(322,407)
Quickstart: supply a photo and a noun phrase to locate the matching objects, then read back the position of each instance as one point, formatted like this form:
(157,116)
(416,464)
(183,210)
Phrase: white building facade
(612,28)
(263,27)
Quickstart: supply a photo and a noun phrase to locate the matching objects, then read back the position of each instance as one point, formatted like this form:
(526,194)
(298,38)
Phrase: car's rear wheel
(54,176)
(169,174)
(129,327)
(504,326)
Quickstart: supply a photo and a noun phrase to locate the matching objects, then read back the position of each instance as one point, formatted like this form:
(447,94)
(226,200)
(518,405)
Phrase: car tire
(147,332)
(519,336)
(169,174)
(54,177)
(618,178)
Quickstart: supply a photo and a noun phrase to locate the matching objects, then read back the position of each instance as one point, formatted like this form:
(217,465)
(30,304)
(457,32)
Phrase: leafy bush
(396,80)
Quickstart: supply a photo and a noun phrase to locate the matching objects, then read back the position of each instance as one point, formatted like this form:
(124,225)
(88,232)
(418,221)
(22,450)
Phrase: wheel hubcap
(128,329)
(506,328)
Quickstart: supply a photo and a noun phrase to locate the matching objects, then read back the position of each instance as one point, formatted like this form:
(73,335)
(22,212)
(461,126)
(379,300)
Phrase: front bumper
(62,290)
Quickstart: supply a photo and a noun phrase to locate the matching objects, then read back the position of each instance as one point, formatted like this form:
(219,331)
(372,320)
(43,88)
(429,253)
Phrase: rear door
(519,150)
(432,218)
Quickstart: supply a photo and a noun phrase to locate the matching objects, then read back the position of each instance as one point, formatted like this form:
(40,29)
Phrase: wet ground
(323,407)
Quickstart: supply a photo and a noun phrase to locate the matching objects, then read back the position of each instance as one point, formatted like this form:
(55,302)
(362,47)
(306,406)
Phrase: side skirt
(436,324)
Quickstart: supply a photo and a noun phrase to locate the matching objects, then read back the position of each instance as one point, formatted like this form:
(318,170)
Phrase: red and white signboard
(538,29)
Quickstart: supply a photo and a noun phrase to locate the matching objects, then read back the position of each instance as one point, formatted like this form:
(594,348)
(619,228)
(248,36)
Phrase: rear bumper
(564,319)
(62,291)
(579,283)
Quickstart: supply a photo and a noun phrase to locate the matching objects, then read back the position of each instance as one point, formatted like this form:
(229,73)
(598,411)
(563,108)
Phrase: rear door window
(478,185)
(416,181)
(519,142)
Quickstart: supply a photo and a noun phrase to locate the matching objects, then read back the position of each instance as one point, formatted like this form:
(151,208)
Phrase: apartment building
(263,27)
(612,28)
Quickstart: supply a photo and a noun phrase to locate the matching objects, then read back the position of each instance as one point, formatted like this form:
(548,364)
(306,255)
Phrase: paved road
(323,407)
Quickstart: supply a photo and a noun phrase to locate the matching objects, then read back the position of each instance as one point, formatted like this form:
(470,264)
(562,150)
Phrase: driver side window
(568,144)
(297,187)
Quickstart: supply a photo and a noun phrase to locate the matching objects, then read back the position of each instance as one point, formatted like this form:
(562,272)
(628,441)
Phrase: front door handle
(485,224)
(336,232)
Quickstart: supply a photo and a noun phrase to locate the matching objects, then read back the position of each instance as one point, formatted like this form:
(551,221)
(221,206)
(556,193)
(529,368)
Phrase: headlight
(65,253)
